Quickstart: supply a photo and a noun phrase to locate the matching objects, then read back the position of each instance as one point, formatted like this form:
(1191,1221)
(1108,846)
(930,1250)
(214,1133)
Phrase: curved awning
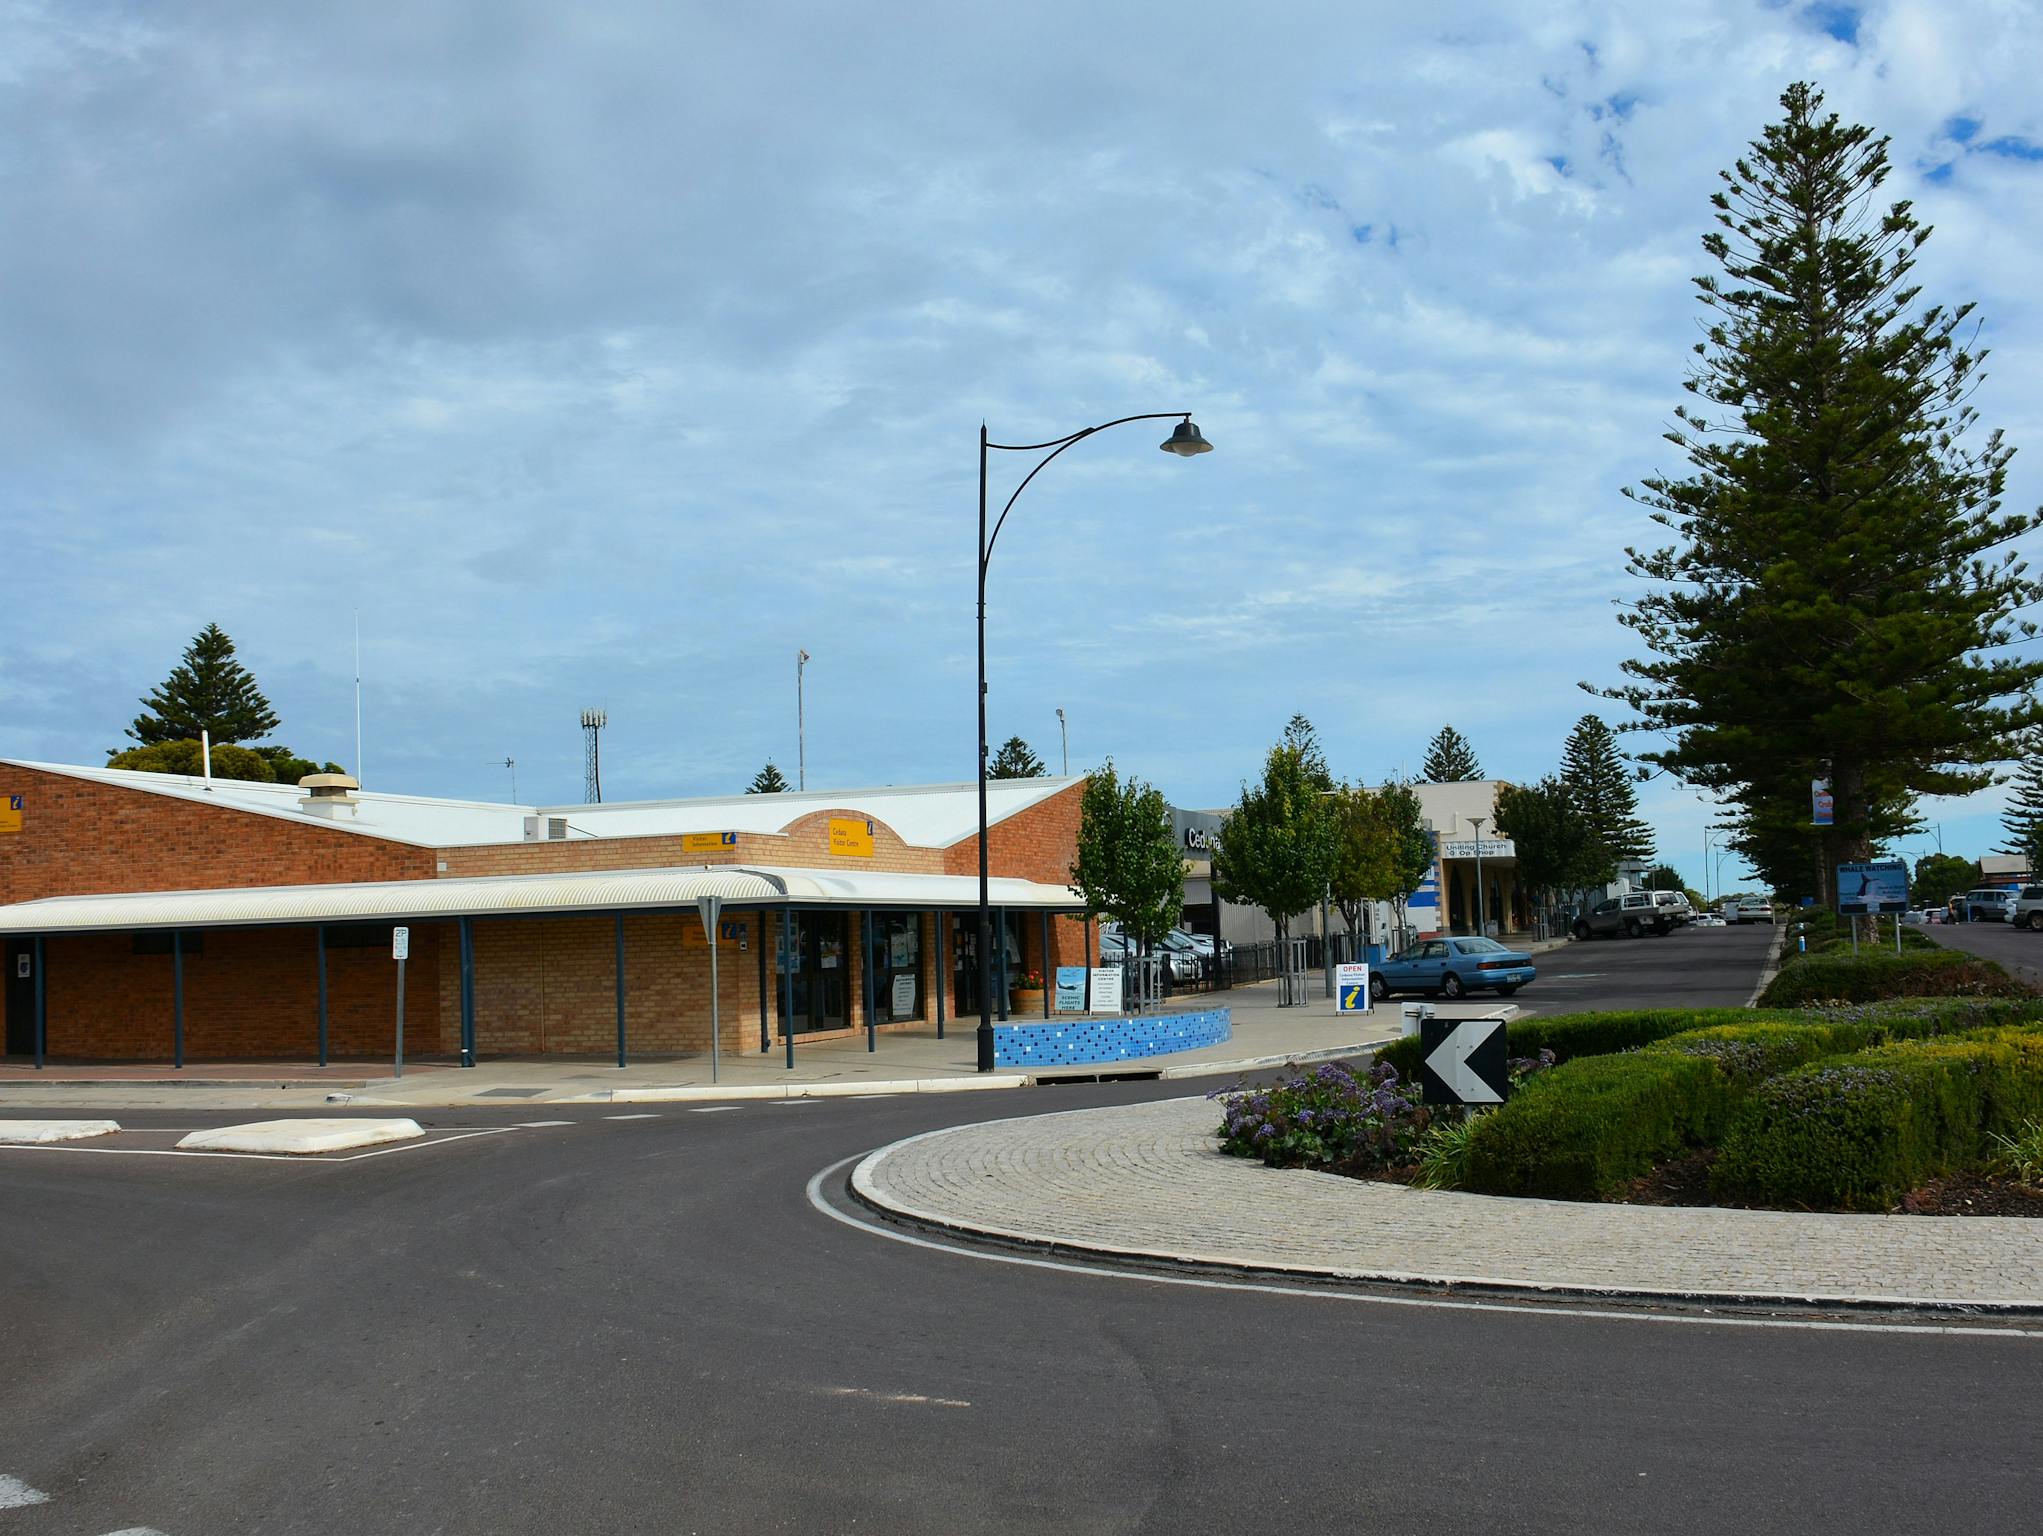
(582,892)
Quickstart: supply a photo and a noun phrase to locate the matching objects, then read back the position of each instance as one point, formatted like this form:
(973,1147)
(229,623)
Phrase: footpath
(1264,1035)
(1149,1182)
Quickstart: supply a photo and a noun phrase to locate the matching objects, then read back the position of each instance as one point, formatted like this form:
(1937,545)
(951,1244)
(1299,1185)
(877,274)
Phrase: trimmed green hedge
(1581,1131)
(1871,976)
(1858,1132)
(1569,1035)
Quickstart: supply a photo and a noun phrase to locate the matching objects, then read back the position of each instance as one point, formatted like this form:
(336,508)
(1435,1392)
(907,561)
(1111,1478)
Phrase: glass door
(821,971)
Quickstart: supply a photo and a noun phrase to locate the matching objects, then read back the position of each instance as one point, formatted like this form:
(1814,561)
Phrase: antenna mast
(593,721)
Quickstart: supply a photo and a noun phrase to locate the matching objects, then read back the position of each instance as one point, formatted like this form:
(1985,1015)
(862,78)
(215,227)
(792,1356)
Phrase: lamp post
(1482,924)
(801,725)
(1186,442)
(1064,732)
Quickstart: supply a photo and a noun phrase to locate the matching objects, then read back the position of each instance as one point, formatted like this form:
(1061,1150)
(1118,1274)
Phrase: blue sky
(605,357)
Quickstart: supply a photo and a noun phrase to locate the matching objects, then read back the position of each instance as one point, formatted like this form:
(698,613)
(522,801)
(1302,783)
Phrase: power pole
(801,725)
(593,721)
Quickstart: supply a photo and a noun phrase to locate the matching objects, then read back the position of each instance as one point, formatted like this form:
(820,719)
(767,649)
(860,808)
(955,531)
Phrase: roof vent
(331,795)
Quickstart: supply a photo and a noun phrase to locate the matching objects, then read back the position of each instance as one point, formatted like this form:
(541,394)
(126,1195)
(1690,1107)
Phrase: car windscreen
(1479,947)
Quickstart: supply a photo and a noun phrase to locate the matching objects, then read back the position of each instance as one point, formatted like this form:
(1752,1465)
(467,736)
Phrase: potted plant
(1026,992)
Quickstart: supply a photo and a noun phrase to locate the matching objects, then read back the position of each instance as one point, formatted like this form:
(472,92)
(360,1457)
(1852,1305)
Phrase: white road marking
(714,1109)
(278,1158)
(792,1103)
(1315,1293)
(15,1494)
(136,1530)
(897,1397)
(539,1125)
(631,1117)
(874,1095)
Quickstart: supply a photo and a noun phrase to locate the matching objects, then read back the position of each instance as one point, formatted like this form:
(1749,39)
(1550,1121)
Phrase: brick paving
(1149,1181)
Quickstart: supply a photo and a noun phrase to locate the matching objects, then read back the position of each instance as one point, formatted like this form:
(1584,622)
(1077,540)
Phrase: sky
(607,356)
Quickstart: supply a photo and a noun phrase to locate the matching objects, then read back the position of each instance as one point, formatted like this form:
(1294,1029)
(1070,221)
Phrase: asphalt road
(1688,968)
(644,1325)
(2018,949)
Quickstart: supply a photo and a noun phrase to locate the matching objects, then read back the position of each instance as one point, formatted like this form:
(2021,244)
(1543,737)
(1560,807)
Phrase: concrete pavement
(1150,1182)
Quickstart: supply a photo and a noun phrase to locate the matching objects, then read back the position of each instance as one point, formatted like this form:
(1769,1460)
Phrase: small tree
(1129,866)
(289,767)
(229,761)
(1362,855)
(767,781)
(1939,877)
(1410,845)
(208,691)
(1277,845)
(1449,759)
(1015,760)
(1559,853)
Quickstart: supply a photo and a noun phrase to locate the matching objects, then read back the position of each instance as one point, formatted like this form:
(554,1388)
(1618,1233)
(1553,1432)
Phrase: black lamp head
(1185,440)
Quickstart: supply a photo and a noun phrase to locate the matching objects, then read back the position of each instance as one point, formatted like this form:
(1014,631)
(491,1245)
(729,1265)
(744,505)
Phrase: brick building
(152,916)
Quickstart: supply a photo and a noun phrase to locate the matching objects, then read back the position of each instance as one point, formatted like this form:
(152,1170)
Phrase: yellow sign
(851,839)
(10,813)
(708,842)
(730,932)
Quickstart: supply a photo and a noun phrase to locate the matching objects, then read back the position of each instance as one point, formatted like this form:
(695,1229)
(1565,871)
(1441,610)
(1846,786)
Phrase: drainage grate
(508,1093)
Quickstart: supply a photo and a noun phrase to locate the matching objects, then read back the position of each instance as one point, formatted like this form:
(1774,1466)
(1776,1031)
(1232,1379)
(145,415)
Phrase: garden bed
(1845,1108)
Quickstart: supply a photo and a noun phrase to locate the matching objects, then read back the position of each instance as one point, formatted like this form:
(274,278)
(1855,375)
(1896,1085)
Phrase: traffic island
(301,1137)
(43,1133)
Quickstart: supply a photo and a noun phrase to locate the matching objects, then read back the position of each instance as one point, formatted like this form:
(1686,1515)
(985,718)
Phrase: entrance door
(822,972)
(20,983)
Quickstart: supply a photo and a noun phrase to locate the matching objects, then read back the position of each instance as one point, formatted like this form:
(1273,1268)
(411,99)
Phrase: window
(1434,949)
(897,966)
(1479,946)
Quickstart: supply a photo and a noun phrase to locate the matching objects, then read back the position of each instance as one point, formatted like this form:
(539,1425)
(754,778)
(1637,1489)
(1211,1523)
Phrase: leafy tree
(1015,760)
(1559,852)
(1449,758)
(1300,735)
(1939,877)
(1839,597)
(1276,848)
(208,691)
(289,767)
(1595,775)
(1411,845)
(1363,873)
(768,781)
(229,761)
(1129,866)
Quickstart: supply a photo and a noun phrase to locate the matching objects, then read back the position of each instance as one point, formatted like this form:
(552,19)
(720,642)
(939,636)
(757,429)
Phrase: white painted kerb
(302,1136)
(37,1133)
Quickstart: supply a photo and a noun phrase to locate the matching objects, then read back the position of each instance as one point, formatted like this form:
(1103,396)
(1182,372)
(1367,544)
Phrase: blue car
(1452,967)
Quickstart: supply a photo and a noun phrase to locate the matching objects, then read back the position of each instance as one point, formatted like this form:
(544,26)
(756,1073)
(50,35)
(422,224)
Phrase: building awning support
(787,982)
(1000,941)
(765,992)
(466,927)
(943,976)
(177,998)
(1049,980)
(865,971)
(620,990)
(42,1008)
(319,944)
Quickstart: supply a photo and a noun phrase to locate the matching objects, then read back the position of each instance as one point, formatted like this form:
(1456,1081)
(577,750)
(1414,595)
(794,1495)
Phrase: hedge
(1569,1035)
(1870,976)
(1858,1132)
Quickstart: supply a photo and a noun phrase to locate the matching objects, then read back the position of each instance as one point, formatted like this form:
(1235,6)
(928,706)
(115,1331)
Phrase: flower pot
(1025,1001)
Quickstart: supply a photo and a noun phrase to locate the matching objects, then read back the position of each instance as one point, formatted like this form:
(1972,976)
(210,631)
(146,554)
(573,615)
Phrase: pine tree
(2023,819)
(1595,776)
(1015,760)
(767,781)
(208,691)
(1839,599)
(1301,737)
(1449,759)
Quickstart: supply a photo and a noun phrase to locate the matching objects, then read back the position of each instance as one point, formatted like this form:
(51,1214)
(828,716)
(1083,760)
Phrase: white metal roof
(595,891)
(923,815)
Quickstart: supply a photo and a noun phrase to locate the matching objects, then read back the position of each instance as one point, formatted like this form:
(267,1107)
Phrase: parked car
(1203,943)
(1182,955)
(1707,920)
(1989,904)
(1452,967)
(2029,908)
(1674,906)
(1628,916)
(1751,909)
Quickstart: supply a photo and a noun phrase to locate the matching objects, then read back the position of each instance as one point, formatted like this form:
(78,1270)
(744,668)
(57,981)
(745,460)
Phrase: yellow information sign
(708,842)
(851,839)
(10,813)
(731,933)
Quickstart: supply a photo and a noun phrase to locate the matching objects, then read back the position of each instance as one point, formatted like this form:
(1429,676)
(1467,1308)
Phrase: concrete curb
(42,1133)
(865,1191)
(1772,968)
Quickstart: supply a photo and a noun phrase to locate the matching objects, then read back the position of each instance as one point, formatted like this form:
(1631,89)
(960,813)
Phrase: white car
(1708,920)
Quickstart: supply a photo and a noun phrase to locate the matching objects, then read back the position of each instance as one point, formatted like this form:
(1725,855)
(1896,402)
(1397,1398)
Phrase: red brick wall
(79,837)
(249,993)
(1040,843)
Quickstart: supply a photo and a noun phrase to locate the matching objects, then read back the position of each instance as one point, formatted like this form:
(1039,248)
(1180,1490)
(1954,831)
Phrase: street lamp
(1186,442)
(1482,925)
(1064,731)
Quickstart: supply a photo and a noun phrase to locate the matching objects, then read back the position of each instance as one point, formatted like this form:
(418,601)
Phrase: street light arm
(1056,446)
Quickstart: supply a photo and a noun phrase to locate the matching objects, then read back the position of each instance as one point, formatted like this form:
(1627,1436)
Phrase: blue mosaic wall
(1078,1042)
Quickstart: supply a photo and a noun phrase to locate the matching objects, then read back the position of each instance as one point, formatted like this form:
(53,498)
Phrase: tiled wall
(1080,1041)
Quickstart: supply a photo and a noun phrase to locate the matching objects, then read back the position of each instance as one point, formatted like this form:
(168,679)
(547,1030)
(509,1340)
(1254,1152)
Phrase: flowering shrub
(1027,981)
(1327,1118)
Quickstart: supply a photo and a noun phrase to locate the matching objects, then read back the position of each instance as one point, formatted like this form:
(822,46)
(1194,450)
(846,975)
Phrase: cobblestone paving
(1149,1180)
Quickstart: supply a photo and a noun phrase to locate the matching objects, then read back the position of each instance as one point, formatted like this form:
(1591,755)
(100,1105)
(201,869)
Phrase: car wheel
(1581,929)
(1633,928)
(1377,990)
(2036,922)
(1450,985)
